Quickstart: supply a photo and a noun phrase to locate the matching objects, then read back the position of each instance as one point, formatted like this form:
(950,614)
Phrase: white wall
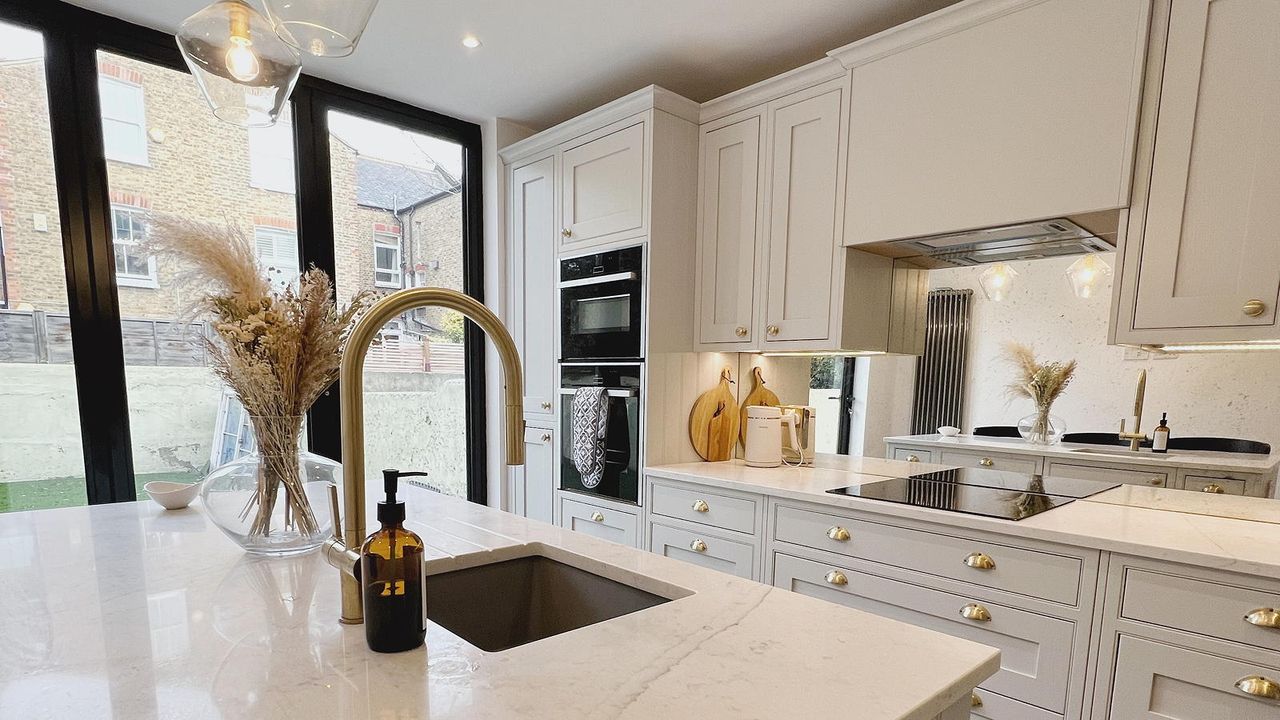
(1221,394)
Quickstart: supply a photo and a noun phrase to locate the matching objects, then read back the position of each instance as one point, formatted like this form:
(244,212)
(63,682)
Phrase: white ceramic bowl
(948,431)
(172,495)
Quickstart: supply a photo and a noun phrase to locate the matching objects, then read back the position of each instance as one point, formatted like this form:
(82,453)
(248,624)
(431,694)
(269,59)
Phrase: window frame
(396,243)
(151,280)
(143,158)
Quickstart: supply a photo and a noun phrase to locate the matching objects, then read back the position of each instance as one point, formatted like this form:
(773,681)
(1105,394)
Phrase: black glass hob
(993,493)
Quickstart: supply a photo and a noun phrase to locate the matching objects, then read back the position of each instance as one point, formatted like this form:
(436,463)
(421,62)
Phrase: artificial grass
(67,491)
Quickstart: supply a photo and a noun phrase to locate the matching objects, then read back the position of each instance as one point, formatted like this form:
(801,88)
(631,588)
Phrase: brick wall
(434,248)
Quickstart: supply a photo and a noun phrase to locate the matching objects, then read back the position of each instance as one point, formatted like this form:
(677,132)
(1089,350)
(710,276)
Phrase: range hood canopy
(1024,241)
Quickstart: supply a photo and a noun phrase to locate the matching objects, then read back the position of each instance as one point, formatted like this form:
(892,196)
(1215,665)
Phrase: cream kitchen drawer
(912,455)
(1153,477)
(993,706)
(600,521)
(1211,609)
(1214,484)
(709,551)
(1028,465)
(1035,650)
(1033,573)
(1154,681)
(705,507)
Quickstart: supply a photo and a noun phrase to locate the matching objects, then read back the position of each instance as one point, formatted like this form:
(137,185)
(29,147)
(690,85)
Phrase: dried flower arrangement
(277,350)
(1042,383)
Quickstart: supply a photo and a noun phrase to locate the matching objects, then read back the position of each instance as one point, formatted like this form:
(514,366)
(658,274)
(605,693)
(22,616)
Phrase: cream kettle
(764,436)
(804,419)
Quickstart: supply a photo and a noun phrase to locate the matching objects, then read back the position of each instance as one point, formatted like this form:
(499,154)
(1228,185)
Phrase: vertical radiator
(939,389)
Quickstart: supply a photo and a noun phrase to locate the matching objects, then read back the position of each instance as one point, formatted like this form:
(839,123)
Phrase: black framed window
(131,138)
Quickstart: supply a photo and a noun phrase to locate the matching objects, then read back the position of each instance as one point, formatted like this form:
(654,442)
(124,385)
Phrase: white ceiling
(544,61)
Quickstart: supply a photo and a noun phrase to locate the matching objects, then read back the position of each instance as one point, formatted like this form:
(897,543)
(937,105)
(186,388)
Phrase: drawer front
(1035,650)
(992,706)
(1211,484)
(1027,572)
(1204,608)
(701,506)
(991,461)
(709,551)
(1153,478)
(602,522)
(912,455)
(1154,681)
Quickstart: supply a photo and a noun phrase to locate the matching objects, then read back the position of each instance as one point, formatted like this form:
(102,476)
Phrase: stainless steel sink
(513,602)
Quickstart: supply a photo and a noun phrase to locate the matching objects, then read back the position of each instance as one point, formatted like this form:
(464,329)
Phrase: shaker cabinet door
(602,188)
(727,234)
(1154,681)
(1210,248)
(534,495)
(533,279)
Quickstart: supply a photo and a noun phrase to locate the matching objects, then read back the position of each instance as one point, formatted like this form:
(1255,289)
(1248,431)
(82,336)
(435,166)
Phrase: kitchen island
(126,611)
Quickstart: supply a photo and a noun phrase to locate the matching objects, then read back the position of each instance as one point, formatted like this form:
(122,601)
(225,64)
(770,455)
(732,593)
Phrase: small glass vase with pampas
(277,349)
(1042,383)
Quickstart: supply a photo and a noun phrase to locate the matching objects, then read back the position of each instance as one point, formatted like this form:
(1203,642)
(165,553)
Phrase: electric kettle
(764,436)
(804,418)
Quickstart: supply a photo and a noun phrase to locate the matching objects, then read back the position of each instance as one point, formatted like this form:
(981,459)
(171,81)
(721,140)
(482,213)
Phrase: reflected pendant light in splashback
(243,68)
(324,28)
(1087,275)
(997,280)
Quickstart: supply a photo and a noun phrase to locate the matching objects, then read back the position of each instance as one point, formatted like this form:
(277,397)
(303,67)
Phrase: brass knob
(701,506)
(546,437)
(974,700)
(1265,618)
(566,232)
(546,406)
(974,611)
(980,561)
(835,577)
(913,458)
(772,329)
(1258,686)
(1254,308)
(597,517)
(838,534)
(698,546)
(740,331)
(1214,488)
(986,462)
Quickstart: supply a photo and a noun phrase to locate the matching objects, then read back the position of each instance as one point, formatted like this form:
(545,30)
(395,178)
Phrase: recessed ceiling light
(470,41)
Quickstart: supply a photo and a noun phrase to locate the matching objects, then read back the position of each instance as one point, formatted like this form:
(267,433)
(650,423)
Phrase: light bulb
(1086,275)
(996,280)
(242,63)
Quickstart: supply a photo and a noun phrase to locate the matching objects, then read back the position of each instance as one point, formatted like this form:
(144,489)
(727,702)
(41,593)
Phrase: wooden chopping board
(714,421)
(759,395)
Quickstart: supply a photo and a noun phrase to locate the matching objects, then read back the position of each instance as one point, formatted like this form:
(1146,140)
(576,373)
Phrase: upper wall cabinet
(602,187)
(1202,253)
(991,112)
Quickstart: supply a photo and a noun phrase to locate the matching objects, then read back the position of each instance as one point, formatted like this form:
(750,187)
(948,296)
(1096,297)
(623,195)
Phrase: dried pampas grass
(1041,382)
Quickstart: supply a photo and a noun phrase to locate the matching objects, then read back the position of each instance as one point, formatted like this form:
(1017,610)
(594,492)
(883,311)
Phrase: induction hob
(975,491)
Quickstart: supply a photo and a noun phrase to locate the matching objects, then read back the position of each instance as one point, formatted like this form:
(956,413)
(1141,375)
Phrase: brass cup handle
(976,612)
(974,700)
(1264,618)
(986,462)
(1260,687)
(835,577)
(740,331)
(1254,308)
(838,534)
(698,546)
(701,506)
(913,458)
(772,329)
(597,517)
(980,561)
(1213,488)
(566,232)
(1157,482)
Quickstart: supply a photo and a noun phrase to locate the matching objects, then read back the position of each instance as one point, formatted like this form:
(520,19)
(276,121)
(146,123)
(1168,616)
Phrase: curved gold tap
(341,550)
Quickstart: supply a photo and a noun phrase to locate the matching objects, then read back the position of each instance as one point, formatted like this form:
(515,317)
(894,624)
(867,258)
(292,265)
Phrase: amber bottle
(391,575)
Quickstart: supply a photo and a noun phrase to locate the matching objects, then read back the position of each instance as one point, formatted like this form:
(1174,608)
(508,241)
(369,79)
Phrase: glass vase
(1041,428)
(273,501)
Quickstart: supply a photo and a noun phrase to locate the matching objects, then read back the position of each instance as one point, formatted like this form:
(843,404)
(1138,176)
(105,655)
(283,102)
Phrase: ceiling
(543,61)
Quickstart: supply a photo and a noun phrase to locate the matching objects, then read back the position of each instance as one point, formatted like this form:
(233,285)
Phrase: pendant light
(1087,274)
(996,280)
(324,28)
(244,69)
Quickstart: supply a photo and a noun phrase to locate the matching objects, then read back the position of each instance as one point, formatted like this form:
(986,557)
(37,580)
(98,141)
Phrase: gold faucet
(1136,437)
(342,550)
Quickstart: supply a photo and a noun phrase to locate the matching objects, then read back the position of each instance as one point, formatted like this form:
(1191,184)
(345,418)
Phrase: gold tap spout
(340,550)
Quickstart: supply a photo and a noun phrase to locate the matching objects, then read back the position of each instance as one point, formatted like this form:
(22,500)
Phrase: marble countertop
(127,611)
(1215,531)
(1201,460)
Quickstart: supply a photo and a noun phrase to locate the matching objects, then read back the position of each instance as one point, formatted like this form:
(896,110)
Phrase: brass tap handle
(975,612)
(835,577)
(701,506)
(336,551)
(838,534)
(980,561)
(335,509)
(1264,618)
(1258,686)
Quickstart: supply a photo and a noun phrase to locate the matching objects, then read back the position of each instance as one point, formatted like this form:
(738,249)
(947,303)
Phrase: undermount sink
(1118,450)
(509,603)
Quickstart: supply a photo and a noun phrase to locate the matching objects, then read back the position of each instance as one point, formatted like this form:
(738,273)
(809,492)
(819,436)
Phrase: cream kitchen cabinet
(1201,258)
(992,112)
(602,187)
(533,484)
(599,518)
(533,282)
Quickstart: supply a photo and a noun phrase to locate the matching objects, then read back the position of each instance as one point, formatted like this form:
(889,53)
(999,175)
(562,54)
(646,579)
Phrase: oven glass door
(601,321)
(622,449)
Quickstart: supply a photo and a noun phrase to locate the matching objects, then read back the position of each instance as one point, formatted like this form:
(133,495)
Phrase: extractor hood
(1023,241)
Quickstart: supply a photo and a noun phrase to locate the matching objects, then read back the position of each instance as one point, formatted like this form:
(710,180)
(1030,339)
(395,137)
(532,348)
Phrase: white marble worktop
(1193,528)
(1093,454)
(127,611)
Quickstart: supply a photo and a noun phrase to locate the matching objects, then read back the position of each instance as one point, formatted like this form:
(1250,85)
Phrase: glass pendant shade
(996,281)
(324,28)
(1087,275)
(244,69)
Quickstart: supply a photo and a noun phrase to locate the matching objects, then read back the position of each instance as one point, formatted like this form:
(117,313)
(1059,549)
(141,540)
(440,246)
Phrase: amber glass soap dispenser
(392,576)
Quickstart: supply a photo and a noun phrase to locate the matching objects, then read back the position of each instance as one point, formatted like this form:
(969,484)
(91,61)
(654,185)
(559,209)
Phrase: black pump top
(390,510)
(1164,418)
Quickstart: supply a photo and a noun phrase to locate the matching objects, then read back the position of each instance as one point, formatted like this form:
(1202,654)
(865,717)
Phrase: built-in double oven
(601,347)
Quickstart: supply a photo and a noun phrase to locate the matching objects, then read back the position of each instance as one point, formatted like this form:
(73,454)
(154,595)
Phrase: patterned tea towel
(590,429)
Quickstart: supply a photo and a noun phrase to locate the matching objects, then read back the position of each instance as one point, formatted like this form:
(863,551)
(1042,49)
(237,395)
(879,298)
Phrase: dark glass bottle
(392,577)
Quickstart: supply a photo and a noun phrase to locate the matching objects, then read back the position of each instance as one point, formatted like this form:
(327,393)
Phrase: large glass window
(41,459)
